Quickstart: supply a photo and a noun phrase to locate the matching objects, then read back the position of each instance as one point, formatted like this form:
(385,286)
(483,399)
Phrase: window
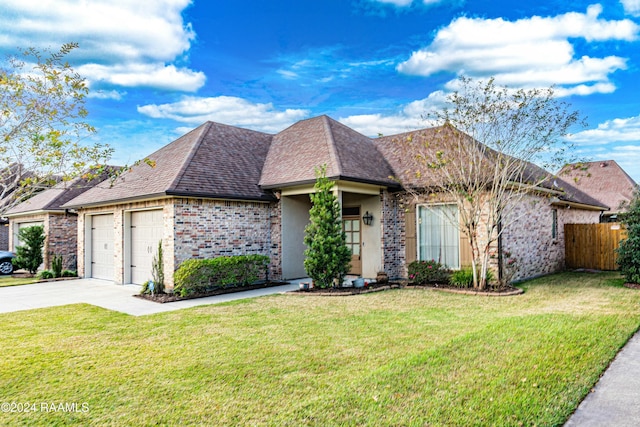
(439,234)
(554,223)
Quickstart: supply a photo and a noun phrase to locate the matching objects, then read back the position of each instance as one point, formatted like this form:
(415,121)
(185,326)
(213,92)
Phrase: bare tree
(42,124)
(482,156)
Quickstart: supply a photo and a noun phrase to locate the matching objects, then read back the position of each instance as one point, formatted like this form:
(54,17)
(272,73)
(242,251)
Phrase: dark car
(6,266)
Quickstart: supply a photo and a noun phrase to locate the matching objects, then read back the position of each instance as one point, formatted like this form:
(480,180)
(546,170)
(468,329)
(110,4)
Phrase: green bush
(463,278)
(69,273)
(629,250)
(29,255)
(425,272)
(46,274)
(203,275)
(56,265)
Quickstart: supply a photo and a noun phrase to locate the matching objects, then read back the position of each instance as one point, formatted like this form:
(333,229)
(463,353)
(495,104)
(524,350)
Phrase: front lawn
(15,281)
(401,357)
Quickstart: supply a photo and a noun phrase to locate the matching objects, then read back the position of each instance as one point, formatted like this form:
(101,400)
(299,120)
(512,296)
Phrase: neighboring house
(606,182)
(222,190)
(60,224)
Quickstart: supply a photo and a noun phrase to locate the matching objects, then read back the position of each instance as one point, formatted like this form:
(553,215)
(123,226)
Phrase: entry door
(351,227)
(102,246)
(146,232)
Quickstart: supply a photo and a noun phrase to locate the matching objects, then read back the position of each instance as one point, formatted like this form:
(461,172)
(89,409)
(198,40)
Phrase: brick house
(223,190)
(60,224)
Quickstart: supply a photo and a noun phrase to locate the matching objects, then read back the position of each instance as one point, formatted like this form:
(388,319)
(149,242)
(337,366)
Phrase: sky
(157,69)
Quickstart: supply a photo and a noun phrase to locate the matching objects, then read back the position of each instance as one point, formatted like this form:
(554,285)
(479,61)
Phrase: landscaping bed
(167,297)
(341,291)
(501,291)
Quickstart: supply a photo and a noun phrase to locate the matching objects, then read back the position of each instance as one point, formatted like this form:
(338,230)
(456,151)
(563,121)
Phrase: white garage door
(146,232)
(102,247)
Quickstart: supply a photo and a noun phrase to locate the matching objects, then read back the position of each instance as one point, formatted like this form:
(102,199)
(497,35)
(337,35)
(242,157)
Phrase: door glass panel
(356,225)
(347,225)
(355,250)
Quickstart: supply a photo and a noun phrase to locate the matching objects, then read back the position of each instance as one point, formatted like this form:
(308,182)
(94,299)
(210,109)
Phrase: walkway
(615,400)
(108,295)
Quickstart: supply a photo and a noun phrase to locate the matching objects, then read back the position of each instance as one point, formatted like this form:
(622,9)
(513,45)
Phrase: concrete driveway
(108,295)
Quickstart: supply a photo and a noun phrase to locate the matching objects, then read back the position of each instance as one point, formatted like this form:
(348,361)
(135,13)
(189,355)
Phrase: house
(60,224)
(606,182)
(223,190)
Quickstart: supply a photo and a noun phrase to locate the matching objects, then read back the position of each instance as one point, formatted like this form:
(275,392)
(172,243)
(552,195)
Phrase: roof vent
(603,165)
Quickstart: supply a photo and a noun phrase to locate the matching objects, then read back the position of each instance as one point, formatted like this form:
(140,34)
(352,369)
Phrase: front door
(351,227)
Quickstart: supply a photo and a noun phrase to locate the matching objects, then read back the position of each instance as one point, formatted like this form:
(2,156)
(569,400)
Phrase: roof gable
(213,161)
(604,180)
(428,142)
(297,151)
(53,199)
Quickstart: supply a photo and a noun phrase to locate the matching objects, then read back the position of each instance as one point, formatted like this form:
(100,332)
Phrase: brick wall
(62,239)
(526,234)
(211,228)
(393,234)
(60,230)
(4,236)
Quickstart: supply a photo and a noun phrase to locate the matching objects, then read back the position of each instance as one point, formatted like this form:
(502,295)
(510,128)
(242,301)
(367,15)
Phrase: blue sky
(160,68)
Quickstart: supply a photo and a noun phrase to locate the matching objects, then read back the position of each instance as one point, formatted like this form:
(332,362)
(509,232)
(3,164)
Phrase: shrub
(56,265)
(629,250)
(29,255)
(157,270)
(463,278)
(424,272)
(203,275)
(46,274)
(327,257)
(69,273)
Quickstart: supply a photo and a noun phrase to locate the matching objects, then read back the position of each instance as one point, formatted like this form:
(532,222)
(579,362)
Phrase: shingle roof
(427,142)
(308,144)
(220,161)
(604,180)
(55,197)
(213,161)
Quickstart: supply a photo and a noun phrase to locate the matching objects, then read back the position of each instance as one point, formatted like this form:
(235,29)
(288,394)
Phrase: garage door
(146,232)
(102,247)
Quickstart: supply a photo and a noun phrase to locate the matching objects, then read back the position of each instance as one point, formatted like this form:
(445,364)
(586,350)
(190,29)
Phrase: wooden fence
(592,246)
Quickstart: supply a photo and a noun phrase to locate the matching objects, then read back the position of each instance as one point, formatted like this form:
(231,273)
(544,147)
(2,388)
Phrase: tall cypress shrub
(29,254)
(629,250)
(327,256)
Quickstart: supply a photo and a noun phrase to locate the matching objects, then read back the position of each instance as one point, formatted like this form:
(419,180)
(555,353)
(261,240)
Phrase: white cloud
(529,52)
(609,132)
(632,7)
(228,110)
(128,38)
(410,117)
(404,3)
(145,75)
(399,3)
(106,94)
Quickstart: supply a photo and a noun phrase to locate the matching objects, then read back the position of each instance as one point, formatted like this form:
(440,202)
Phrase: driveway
(108,295)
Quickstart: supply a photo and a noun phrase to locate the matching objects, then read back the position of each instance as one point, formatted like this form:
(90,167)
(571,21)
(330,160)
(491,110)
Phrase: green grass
(13,281)
(402,357)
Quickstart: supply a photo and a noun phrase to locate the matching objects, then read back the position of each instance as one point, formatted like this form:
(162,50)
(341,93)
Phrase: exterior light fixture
(367,218)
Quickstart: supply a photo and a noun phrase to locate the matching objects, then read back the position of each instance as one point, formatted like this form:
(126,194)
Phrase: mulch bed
(343,291)
(164,298)
(632,285)
(498,292)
